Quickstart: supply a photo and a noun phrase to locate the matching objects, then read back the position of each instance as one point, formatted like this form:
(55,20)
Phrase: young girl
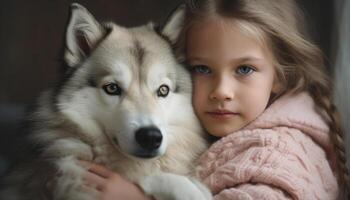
(261,89)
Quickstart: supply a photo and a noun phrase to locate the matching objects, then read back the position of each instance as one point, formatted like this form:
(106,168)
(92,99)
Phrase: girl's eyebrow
(195,58)
(200,59)
(247,58)
(242,59)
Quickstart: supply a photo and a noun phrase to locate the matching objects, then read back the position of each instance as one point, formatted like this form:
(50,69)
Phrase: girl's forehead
(215,28)
(216,23)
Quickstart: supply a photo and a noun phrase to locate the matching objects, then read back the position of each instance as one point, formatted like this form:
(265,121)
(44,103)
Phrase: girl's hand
(110,185)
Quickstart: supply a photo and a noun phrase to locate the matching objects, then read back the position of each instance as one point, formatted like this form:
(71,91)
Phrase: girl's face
(232,73)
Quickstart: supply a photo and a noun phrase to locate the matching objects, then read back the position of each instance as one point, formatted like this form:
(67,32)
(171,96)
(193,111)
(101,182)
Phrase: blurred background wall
(341,71)
(31,37)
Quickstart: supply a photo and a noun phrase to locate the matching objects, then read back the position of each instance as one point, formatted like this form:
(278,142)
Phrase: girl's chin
(222,130)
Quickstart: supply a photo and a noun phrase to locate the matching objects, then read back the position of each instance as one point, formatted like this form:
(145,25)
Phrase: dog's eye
(112,89)
(163,91)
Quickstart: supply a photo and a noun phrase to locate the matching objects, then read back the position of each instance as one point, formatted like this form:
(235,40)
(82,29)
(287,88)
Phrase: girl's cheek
(199,91)
(196,86)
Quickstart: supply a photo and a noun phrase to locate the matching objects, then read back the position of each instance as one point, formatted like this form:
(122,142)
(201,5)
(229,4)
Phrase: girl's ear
(82,35)
(174,24)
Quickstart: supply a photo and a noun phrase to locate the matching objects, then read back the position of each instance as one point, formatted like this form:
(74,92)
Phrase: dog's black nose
(149,138)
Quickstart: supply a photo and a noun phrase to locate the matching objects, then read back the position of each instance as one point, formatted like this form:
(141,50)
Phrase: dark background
(31,38)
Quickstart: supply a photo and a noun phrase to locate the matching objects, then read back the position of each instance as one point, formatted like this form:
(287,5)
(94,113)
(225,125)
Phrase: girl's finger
(94,180)
(92,191)
(96,168)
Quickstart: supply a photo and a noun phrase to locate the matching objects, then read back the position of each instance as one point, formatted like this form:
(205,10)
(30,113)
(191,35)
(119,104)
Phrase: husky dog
(125,103)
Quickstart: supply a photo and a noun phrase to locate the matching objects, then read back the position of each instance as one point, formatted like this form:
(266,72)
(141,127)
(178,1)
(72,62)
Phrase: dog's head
(125,83)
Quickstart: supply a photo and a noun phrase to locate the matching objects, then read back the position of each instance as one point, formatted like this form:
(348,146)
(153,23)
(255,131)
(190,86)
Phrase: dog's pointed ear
(82,34)
(174,23)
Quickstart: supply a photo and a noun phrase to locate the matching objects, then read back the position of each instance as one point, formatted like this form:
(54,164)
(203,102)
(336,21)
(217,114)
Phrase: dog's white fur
(80,120)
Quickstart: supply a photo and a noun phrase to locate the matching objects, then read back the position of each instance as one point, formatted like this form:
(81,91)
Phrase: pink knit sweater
(285,153)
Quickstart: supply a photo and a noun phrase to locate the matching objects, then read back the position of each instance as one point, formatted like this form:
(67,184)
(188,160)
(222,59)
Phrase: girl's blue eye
(244,70)
(201,69)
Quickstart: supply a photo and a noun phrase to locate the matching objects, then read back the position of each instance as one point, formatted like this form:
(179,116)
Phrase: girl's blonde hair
(299,63)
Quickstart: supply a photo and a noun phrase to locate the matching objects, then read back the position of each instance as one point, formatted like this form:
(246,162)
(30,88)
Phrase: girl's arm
(282,163)
(251,192)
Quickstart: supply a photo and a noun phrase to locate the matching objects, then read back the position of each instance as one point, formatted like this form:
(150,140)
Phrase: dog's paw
(165,186)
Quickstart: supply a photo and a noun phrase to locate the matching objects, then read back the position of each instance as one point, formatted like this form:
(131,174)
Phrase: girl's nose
(222,91)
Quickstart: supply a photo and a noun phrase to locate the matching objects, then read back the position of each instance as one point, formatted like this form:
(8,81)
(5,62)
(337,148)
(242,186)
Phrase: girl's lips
(221,114)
